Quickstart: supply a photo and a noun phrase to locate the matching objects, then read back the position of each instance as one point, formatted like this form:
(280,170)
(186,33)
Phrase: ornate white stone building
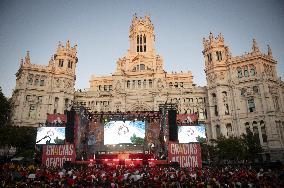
(243,92)
(140,81)
(42,90)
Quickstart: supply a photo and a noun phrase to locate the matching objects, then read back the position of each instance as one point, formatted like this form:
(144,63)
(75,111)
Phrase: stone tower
(42,90)
(64,66)
(142,37)
(216,55)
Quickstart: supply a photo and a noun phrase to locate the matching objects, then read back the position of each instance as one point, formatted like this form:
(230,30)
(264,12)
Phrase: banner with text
(186,119)
(56,155)
(187,155)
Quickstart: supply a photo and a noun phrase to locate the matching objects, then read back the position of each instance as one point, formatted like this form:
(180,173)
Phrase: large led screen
(116,132)
(187,134)
(50,135)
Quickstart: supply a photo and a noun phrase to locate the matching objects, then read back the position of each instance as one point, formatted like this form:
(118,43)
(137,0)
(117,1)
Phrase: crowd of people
(18,175)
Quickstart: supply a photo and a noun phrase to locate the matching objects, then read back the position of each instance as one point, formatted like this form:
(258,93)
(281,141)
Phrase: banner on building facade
(57,119)
(186,119)
(187,155)
(56,155)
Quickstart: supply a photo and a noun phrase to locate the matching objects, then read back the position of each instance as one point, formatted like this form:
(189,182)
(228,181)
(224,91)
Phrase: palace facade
(242,92)
(42,90)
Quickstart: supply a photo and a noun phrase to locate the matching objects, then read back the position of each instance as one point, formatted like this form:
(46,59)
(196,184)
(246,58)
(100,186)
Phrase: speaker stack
(173,129)
(69,131)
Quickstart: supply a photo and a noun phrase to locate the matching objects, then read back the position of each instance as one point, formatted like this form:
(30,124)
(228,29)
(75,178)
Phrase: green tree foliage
(59,141)
(230,148)
(246,147)
(20,137)
(208,151)
(136,140)
(5,109)
(252,146)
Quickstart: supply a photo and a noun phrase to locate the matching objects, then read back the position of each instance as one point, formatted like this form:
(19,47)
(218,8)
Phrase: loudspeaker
(69,131)
(173,129)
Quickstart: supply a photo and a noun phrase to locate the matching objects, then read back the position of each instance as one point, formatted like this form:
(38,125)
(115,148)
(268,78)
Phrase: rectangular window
(36,82)
(251,105)
(30,80)
(41,83)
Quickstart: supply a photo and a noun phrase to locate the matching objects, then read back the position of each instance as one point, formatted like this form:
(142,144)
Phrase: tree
(208,151)
(23,138)
(231,148)
(252,146)
(5,109)
(136,140)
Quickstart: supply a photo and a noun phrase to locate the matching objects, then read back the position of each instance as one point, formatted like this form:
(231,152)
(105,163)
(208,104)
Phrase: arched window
(36,81)
(128,83)
(150,83)
(247,127)
(255,131)
(30,79)
(263,131)
(42,80)
(141,49)
(137,39)
(209,57)
(144,39)
(239,72)
(142,67)
(219,55)
(218,131)
(255,89)
(246,73)
(252,70)
(214,97)
(70,64)
(61,61)
(254,128)
(137,43)
(243,91)
(229,129)
(144,83)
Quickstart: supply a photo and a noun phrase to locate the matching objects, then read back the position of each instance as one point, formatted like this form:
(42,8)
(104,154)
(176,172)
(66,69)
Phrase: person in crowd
(101,176)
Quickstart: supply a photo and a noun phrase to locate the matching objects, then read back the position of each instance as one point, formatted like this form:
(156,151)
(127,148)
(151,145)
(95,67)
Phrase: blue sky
(101,29)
